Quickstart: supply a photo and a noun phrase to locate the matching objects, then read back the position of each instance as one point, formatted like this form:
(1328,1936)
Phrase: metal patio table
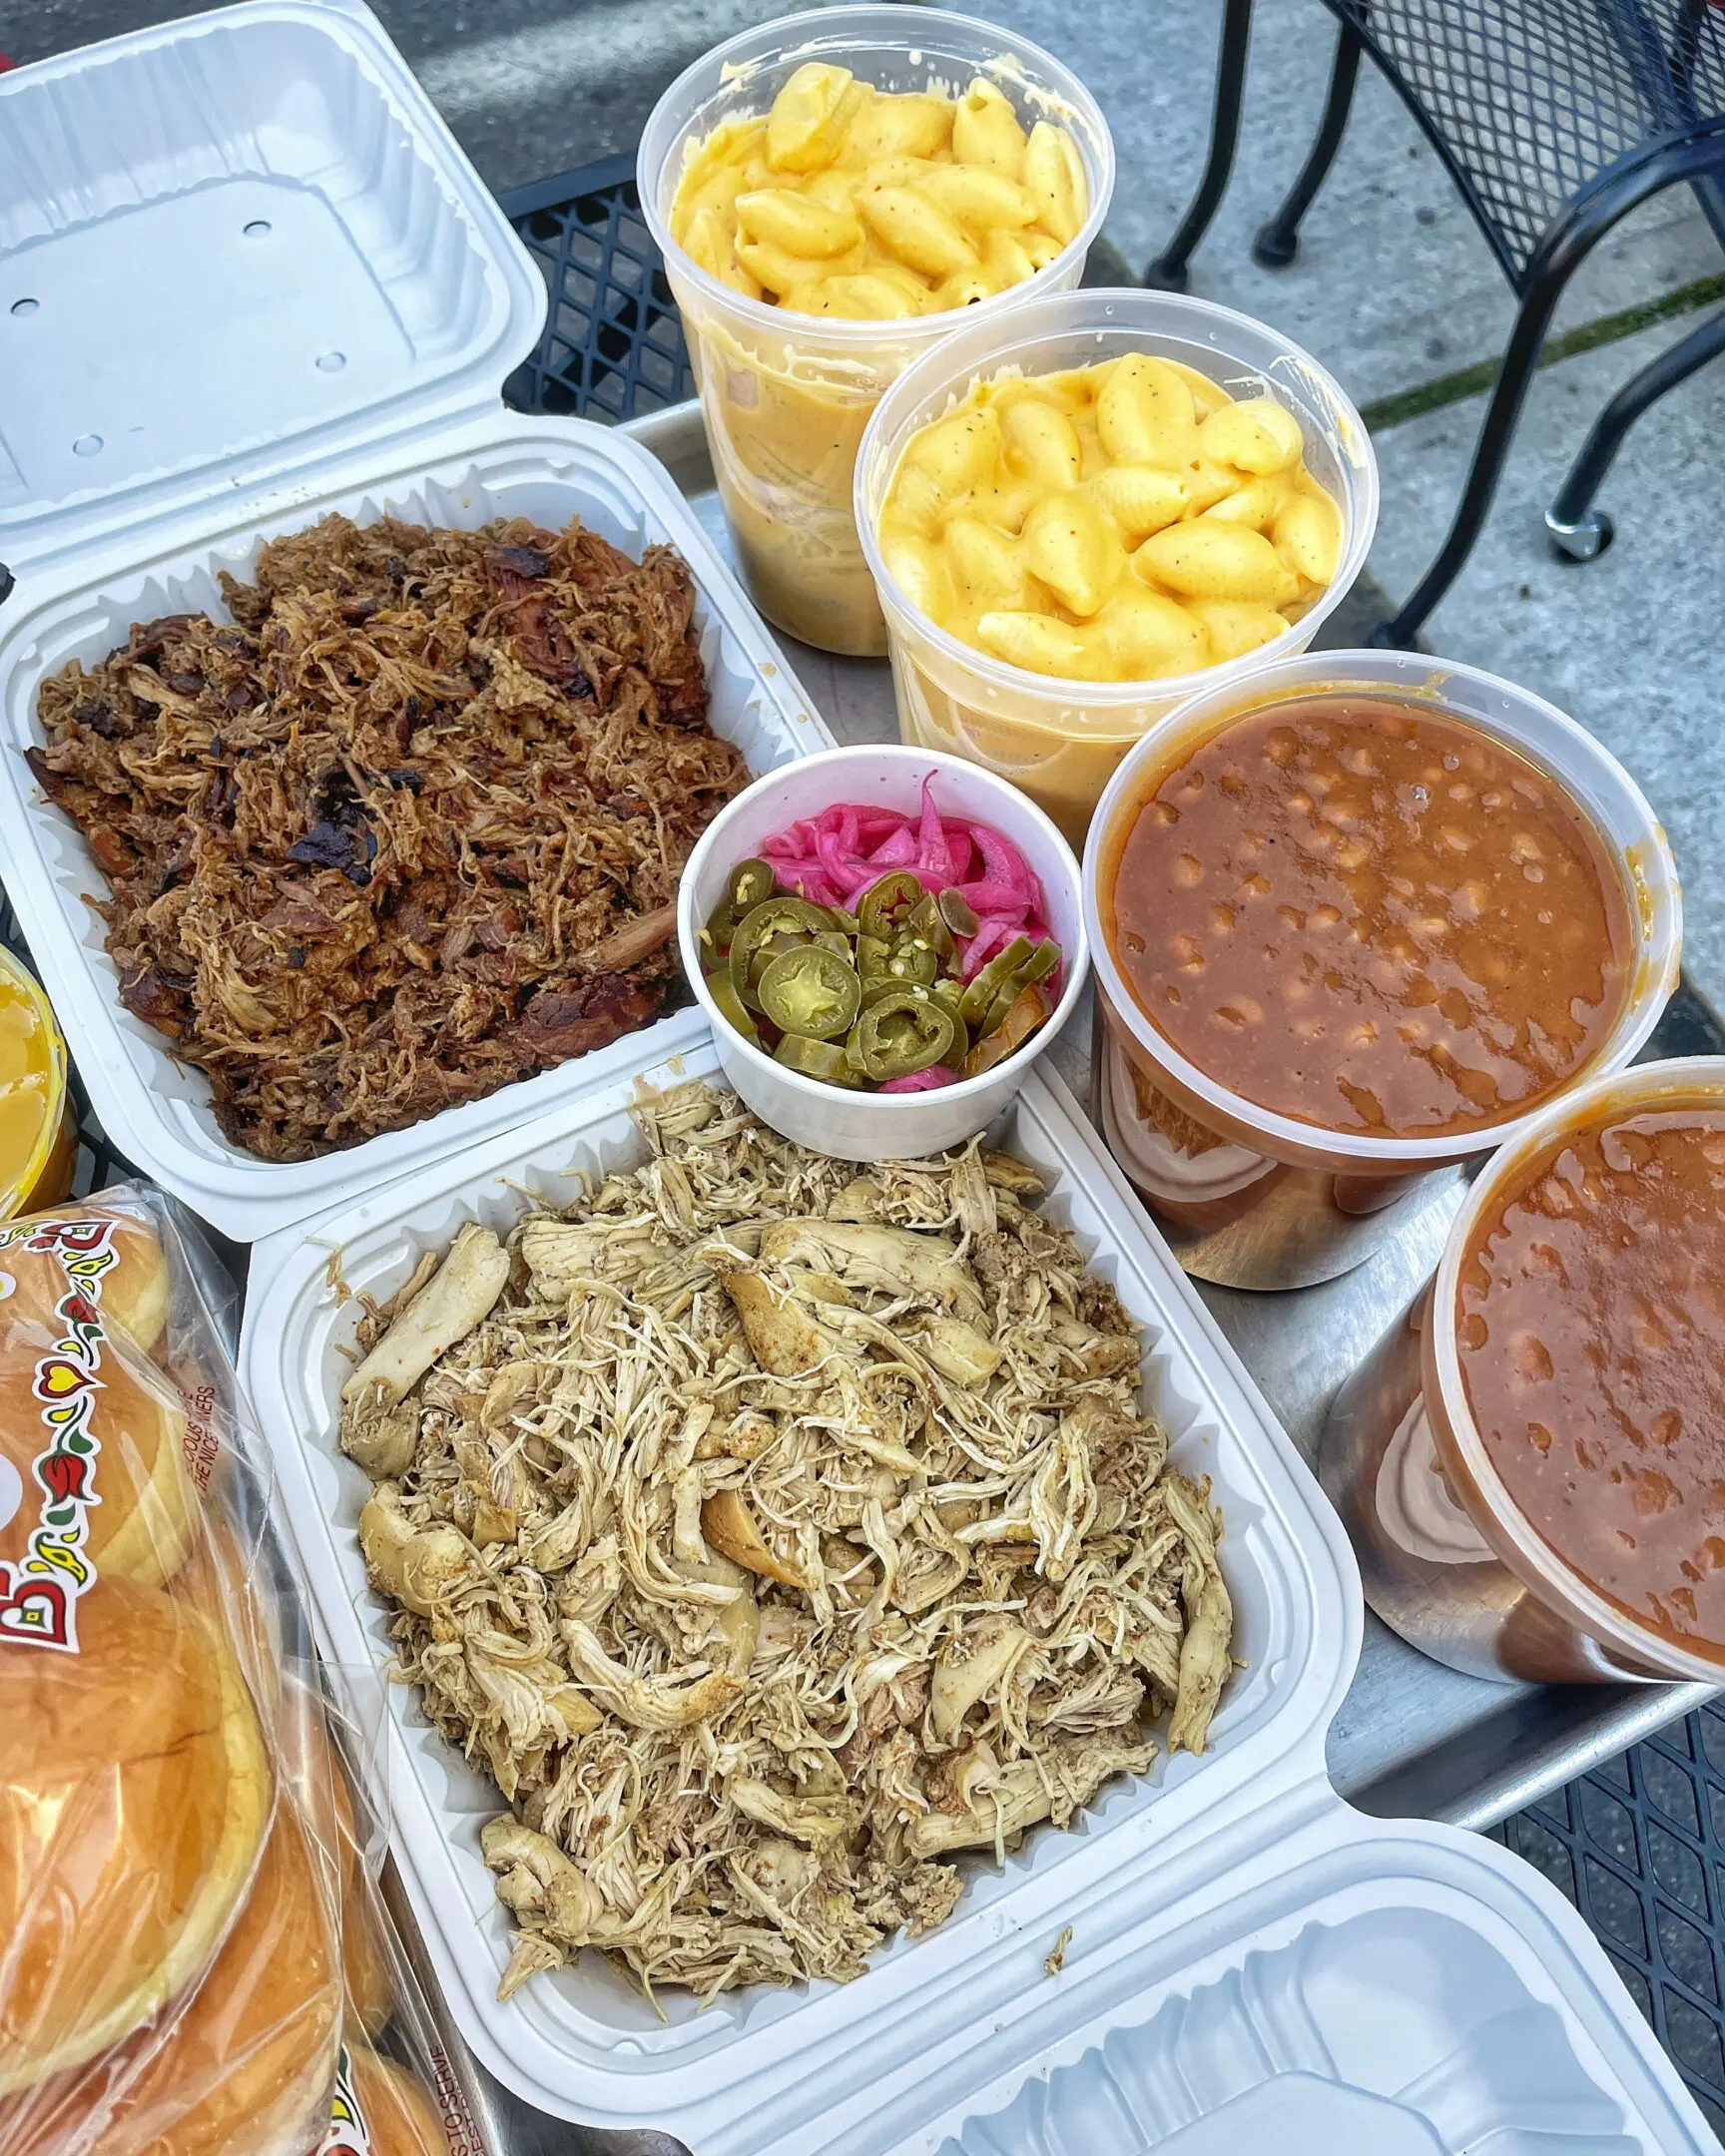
(1612,1791)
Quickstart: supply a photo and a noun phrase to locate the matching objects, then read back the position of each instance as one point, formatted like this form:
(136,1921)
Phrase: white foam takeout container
(1250,1962)
(246,277)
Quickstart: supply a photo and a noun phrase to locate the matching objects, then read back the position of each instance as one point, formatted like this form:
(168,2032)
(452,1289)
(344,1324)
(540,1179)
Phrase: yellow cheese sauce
(1116,523)
(867,205)
(32,1090)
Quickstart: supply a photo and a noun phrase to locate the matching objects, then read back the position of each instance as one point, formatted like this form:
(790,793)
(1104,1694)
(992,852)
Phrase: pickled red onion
(922,1081)
(832,860)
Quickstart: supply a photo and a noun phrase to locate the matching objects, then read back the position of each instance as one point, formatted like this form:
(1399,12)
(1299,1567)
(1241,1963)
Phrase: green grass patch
(1474,380)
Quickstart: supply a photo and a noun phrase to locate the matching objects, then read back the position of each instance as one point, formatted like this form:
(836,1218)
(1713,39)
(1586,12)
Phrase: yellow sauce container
(38,1131)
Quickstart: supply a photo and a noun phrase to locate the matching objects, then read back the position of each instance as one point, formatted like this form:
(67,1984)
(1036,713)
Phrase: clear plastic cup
(1448,1559)
(1062,740)
(787,397)
(1324,1201)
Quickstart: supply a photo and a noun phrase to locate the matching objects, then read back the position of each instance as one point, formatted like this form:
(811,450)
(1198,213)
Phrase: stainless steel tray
(1412,1736)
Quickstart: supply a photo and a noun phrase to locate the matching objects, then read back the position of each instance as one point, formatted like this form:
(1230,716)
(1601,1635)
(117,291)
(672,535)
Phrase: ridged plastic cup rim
(1682,1078)
(927,375)
(873,755)
(826,38)
(1370,672)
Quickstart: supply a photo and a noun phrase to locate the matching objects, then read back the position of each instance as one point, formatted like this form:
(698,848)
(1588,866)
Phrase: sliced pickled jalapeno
(857,1000)
(872,953)
(751,884)
(926,925)
(774,916)
(1030,1011)
(1041,962)
(721,925)
(987,984)
(885,905)
(1036,968)
(913,962)
(811,992)
(901,1034)
(814,1058)
(729,1005)
(774,946)
(942,994)
(958,914)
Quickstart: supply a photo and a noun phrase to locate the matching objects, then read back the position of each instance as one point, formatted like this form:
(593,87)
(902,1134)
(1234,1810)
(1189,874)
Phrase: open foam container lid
(249,279)
(232,249)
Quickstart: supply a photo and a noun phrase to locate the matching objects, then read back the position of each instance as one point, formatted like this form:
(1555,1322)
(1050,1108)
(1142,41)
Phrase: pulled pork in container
(406,827)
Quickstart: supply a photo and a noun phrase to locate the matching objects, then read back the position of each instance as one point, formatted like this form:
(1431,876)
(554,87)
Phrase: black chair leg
(1568,243)
(1579,530)
(1277,242)
(1168,272)
(1486,469)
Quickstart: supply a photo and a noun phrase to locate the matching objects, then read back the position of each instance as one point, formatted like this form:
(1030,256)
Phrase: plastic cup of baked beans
(1254,1195)
(786,395)
(1061,741)
(1425,1472)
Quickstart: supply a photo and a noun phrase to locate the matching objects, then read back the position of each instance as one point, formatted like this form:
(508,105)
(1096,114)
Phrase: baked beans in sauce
(1372,916)
(1590,1322)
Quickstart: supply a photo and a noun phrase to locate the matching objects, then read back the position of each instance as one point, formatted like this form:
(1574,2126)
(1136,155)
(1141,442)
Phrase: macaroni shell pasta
(873,205)
(1122,522)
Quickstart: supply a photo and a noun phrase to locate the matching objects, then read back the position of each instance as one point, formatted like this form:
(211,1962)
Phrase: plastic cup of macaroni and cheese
(1061,739)
(1356,921)
(786,392)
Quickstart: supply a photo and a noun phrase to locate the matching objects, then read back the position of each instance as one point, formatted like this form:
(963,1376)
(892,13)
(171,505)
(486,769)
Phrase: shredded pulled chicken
(770,1532)
(406,827)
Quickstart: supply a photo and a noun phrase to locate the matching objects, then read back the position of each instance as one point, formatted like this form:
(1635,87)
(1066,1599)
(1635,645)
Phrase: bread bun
(397,2110)
(145,1525)
(364,1961)
(312,1763)
(244,2063)
(137,1292)
(133,1808)
(136,1289)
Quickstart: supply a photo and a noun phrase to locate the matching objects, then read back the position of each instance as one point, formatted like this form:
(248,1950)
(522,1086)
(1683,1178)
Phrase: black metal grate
(1639,1847)
(1530,100)
(613,343)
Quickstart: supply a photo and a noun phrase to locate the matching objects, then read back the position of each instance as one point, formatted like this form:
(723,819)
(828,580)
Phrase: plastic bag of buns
(398,2091)
(175,1949)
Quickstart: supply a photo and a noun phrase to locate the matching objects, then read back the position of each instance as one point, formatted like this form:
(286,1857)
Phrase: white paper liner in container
(208,217)
(1180,1888)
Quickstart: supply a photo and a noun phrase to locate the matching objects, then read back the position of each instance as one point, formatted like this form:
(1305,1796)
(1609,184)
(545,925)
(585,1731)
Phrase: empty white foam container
(1251,1963)
(247,278)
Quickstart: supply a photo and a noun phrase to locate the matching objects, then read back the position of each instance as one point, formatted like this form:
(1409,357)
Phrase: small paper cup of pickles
(1059,739)
(854,1121)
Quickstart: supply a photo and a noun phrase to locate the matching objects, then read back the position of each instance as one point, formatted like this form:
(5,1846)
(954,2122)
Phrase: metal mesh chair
(1555,119)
